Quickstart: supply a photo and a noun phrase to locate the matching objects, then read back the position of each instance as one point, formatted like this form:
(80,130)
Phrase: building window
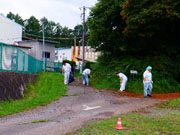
(47,54)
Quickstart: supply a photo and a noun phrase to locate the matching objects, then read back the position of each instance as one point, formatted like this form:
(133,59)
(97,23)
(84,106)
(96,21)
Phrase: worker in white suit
(66,69)
(85,75)
(123,81)
(147,81)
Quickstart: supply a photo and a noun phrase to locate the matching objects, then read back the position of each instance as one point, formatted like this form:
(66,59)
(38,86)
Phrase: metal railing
(13,59)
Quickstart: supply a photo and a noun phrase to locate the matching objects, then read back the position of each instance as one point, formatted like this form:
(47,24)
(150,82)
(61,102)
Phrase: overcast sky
(66,12)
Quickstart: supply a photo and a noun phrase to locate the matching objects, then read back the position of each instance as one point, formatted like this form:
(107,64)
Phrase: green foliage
(154,25)
(136,27)
(78,30)
(106,25)
(63,36)
(32,26)
(47,88)
(104,73)
(174,104)
(88,64)
(133,34)
(16,18)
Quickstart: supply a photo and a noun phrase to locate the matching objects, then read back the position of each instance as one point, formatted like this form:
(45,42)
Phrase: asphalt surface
(81,105)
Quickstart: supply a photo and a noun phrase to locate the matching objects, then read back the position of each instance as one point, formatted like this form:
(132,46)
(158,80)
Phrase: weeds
(104,74)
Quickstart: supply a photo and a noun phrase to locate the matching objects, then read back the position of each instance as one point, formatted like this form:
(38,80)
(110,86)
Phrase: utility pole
(44,49)
(83,36)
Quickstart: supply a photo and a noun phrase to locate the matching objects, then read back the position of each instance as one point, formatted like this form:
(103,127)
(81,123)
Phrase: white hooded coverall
(67,70)
(123,81)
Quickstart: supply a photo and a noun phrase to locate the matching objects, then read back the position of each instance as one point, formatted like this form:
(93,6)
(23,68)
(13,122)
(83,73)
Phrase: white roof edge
(10,20)
(61,48)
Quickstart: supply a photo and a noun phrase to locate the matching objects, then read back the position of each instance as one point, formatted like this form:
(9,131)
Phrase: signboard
(133,71)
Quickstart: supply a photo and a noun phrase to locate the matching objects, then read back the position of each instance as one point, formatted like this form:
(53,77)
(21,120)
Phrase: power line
(46,37)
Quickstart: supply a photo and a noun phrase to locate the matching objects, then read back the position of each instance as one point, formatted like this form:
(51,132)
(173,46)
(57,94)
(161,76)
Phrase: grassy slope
(164,74)
(161,119)
(48,87)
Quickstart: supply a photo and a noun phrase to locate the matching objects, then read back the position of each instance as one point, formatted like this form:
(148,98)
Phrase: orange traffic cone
(119,126)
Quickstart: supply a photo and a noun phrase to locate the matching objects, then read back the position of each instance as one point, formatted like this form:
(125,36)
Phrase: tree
(32,28)
(153,24)
(49,27)
(58,32)
(78,30)
(16,18)
(68,36)
(106,25)
(53,31)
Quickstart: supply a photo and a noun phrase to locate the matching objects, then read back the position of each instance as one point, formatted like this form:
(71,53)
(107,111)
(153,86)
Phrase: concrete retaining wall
(13,85)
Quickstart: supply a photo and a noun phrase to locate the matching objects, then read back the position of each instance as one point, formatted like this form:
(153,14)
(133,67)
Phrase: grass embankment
(160,119)
(164,73)
(48,87)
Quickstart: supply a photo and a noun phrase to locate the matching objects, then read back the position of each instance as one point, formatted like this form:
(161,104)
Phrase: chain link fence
(13,59)
(57,66)
(53,66)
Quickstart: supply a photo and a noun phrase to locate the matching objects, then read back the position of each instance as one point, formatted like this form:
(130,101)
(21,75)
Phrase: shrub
(174,104)
(164,78)
(88,64)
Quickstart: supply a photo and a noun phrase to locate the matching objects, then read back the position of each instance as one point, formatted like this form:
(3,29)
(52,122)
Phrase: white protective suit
(67,70)
(123,81)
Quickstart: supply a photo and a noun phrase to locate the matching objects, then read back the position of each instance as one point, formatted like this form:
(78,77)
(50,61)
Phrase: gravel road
(81,105)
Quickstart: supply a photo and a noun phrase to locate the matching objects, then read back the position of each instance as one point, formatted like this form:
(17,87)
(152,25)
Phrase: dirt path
(80,106)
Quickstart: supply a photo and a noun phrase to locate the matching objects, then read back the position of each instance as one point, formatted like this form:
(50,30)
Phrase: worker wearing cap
(147,81)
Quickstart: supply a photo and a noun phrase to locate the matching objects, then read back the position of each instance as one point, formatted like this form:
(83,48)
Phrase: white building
(10,31)
(89,53)
(36,50)
(63,53)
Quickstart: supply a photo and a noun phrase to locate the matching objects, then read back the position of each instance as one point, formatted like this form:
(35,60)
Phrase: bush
(174,104)
(88,64)
(165,78)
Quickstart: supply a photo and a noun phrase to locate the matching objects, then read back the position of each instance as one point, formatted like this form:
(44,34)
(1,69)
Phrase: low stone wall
(13,85)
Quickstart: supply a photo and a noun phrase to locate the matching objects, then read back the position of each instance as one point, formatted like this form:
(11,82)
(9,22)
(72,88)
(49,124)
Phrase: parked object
(71,77)
(119,125)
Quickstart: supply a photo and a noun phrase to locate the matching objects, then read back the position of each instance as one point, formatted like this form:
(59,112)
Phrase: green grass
(164,76)
(174,104)
(150,121)
(48,87)
(136,86)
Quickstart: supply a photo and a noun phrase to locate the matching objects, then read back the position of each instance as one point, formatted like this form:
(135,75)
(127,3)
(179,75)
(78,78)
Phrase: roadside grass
(174,104)
(161,119)
(39,121)
(77,74)
(47,88)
